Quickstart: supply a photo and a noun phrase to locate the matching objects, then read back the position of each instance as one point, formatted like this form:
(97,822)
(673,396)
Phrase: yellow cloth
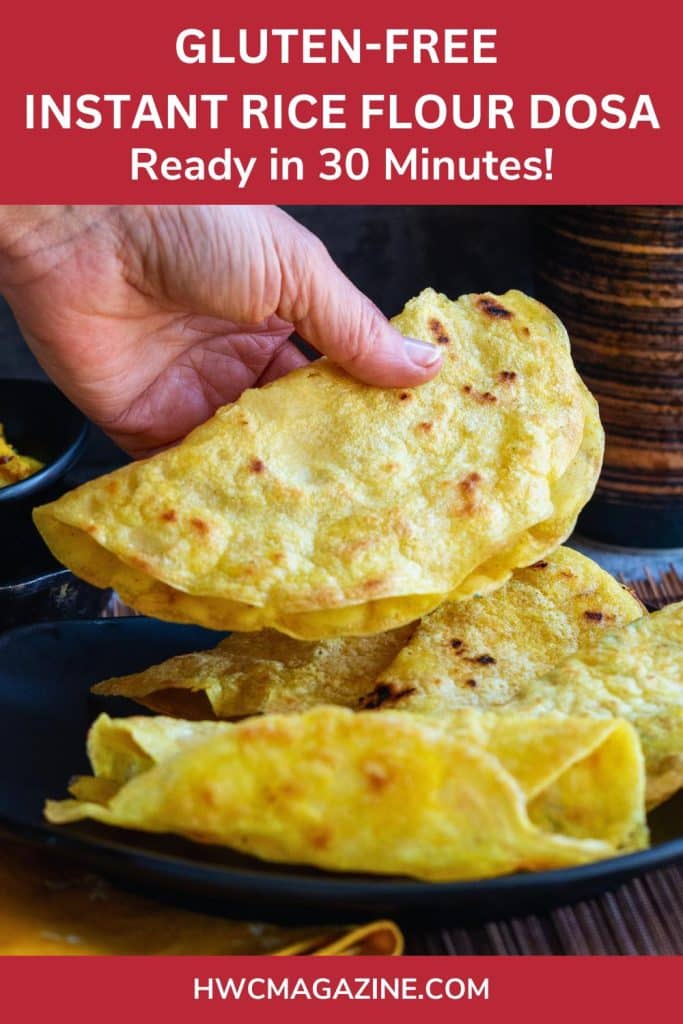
(50,908)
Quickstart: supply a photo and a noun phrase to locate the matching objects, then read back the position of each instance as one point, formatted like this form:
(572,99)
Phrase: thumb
(330,313)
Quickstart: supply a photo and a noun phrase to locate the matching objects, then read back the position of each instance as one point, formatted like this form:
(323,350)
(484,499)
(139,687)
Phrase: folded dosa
(635,673)
(468,795)
(320,506)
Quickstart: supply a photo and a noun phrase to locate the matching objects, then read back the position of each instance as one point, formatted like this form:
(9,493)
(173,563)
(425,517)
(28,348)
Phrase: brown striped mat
(644,917)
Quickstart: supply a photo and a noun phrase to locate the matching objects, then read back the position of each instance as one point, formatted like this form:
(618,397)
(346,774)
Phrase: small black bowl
(34,587)
(39,421)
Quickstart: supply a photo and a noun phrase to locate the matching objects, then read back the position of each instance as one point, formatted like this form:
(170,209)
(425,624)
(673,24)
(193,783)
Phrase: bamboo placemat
(643,917)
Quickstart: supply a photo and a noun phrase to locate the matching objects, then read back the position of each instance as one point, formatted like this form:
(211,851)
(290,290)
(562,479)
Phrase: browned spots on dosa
(483,397)
(353,547)
(470,481)
(468,490)
(370,585)
(200,525)
(568,574)
(384,693)
(526,332)
(275,729)
(208,795)
(455,643)
(289,789)
(539,565)
(468,486)
(507,376)
(493,309)
(405,396)
(472,683)
(112,486)
(256,466)
(425,427)
(439,331)
(321,838)
(169,516)
(377,775)
(593,616)
(323,596)
(483,659)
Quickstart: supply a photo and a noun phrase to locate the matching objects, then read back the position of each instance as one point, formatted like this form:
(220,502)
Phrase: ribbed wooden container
(614,274)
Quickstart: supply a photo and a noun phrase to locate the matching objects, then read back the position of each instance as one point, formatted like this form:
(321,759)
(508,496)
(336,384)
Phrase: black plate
(45,709)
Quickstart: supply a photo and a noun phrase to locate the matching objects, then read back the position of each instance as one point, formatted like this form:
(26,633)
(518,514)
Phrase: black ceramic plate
(45,708)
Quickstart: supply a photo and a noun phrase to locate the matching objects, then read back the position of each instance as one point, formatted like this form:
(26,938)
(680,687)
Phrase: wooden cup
(614,275)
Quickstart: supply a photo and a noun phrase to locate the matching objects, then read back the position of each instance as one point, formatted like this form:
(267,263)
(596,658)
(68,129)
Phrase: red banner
(477,989)
(354,103)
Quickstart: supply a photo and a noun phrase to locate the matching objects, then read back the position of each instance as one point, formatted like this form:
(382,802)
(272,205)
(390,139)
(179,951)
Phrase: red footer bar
(543,989)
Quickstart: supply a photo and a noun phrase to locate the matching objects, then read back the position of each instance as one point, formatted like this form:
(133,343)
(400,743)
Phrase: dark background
(390,252)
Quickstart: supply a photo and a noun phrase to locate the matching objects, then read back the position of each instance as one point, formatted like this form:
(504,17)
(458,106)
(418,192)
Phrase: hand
(148,319)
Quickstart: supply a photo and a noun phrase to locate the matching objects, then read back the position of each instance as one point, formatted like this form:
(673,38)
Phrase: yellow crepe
(48,907)
(499,642)
(467,795)
(14,467)
(482,652)
(634,673)
(248,673)
(320,506)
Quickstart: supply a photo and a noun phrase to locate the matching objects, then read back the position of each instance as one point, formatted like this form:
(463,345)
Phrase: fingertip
(397,361)
(422,354)
(412,361)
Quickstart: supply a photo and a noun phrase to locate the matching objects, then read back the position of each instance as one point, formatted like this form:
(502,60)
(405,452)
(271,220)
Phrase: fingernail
(422,353)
